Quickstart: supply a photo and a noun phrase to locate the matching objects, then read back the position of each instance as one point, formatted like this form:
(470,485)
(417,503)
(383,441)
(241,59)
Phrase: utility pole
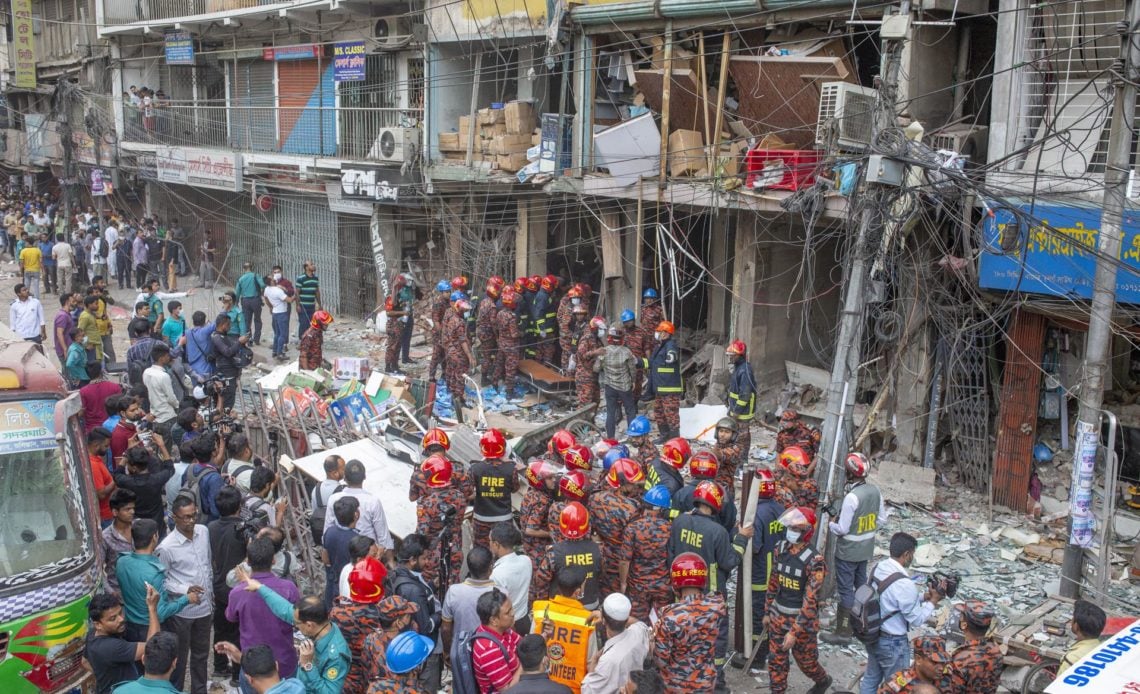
(1087,439)
(845,368)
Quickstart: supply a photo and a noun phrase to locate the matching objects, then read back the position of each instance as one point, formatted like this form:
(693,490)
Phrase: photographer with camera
(227,351)
(901,608)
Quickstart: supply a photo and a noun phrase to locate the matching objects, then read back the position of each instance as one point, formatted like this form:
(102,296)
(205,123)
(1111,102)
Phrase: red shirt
(120,440)
(102,478)
(492,672)
(94,397)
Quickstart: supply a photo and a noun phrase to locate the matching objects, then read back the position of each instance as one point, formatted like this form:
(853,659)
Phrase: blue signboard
(349,61)
(1059,260)
(179,48)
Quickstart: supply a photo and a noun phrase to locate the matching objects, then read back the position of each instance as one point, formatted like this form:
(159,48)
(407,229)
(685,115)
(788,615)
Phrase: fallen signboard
(1113,667)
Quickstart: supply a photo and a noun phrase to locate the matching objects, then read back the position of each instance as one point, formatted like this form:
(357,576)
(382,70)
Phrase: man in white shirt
(111,236)
(160,389)
(372,521)
(186,555)
(512,572)
(331,484)
(278,300)
(901,608)
(64,255)
(627,644)
(26,316)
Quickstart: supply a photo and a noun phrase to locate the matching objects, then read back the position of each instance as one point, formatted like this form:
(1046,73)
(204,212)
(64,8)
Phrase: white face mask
(602,334)
(466,314)
(276,275)
(658,336)
(574,301)
(793,536)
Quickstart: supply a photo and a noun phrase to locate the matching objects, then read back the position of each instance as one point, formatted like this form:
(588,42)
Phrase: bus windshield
(43,526)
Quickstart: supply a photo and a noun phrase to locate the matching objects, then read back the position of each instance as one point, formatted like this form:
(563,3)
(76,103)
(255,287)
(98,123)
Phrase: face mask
(466,314)
(658,336)
(601,334)
(574,301)
(793,536)
(276,275)
(84,340)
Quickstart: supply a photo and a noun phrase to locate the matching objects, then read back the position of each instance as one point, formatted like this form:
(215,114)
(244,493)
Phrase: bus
(50,556)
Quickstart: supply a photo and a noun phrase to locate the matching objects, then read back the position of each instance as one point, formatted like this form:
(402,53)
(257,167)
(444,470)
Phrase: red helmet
(800,517)
(602,446)
(676,452)
(794,454)
(704,465)
(548,283)
(765,484)
(597,323)
(625,471)
(736,347)
(492,290)
(492,444)
(857,465)
(462,305)
(389,304)
(321,320)
(539,471)
(560,442)
(577,457)
(532,283)
(572,485)
(510,299)
(437,468)
(520,285)
(459,283)
(710,493)
(574,292)
(574,521)
(689,570)
(665,327)
(435,437)
(366,581)
(496,281)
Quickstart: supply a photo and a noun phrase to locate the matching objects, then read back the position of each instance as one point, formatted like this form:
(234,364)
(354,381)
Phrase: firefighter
(436,441)
(438,312)
(643,562)
(441,508)
(798,479)
(588,350)
(651,312)
(729,452)
(545,314)
(976,665)
(698,531)
(637,437)
(485,329)
(793,432)
(703,467)
(458,359)
(666,470)
(611,510)
(576,550)
(792,604)
(567,627)
(686,635)
(526,316)
(572,486)
(665,383)
(768,533)
(564,318)
(560,442)
(542,477)
(640,342)
(495,480)
(930,660)
(508,340)
(854,532)
(741,397)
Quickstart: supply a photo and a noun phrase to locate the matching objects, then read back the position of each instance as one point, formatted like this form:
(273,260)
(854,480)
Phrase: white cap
(199,393)
(616,606)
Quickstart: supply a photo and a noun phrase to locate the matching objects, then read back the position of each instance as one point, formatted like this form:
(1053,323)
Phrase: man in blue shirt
(198,347)
(139,569)
(51,278)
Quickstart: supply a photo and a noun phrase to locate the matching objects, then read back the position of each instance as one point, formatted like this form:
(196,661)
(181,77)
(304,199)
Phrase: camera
(944,583)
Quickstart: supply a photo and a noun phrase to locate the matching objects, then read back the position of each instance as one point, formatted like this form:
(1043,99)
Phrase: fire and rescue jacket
(544,313)
(858,543)
(742,392)
(769,532)
(791,577)
(660,472)
(696,532)
(584,553)
(494,481)
(664,367)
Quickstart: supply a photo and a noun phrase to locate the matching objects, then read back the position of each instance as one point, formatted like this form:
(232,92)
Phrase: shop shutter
(358,278)
(306,96)
(307,229)
(253,122)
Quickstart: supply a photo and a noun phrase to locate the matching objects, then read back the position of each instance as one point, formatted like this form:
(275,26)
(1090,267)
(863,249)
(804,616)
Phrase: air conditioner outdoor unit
(846,116)
(392,31)
(395,144)
(969,141)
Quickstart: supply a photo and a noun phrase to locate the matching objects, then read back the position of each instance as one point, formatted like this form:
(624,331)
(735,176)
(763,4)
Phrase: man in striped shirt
(308,287)
(493,655)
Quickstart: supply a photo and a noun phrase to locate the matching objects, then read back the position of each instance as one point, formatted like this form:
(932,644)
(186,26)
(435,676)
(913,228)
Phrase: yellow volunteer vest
(572,644)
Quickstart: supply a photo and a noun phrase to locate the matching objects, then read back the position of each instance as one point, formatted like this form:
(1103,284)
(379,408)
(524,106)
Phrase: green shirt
(332,657)
(249,286)
(144,685)
(307,288)
(237,322)
(155,304)
(134,572)
(173,328)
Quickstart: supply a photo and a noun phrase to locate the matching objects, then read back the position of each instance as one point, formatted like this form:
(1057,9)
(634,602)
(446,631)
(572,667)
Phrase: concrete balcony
(153,16)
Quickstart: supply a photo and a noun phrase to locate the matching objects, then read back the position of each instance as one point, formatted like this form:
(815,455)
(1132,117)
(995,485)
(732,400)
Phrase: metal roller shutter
(253,121)
(358,280)
(307,102)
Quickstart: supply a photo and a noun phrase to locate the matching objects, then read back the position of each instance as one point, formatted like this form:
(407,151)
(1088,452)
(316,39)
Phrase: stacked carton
(502,137)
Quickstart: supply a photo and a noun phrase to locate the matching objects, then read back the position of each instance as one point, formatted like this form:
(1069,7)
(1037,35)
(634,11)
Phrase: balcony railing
(351,133)
(117,12)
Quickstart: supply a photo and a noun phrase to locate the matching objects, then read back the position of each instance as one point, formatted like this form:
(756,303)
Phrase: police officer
(643,562)
(741,398)
(792,606)
(495,480)
(665,383)
(854,531)
(577,549)
(611,510)
(698,531)
(666,470)
(769,532)
(687,635)
(703,467)
(439,307)
(976,665)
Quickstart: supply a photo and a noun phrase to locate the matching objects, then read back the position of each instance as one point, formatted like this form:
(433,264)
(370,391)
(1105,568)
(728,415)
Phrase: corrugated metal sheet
(1017,418)
(253,116)
(358,294)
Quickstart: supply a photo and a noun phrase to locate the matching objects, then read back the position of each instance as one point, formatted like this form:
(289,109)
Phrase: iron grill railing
(117,12)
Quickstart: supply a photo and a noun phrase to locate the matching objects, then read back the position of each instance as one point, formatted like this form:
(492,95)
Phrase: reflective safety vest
(664,367)
(572,644)
(859,542)
(742,392)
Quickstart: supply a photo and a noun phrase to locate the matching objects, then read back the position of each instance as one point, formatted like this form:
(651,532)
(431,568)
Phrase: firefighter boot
(822,686)
(840,635)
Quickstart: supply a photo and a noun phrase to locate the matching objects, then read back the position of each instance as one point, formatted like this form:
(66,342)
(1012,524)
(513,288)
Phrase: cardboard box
(730,156)
(356,368)
(491,116)
(511,162)
(490,132)
(450,142)
(509,144)
(686,152)
(682,59)
(520,117)
(536,137)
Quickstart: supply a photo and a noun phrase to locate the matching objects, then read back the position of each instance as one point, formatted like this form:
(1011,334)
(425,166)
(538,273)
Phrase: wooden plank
(775,97)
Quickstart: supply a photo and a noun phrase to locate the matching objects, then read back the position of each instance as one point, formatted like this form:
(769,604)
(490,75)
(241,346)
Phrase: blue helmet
(649,293)
(616,453)
(627,316)
(1042,453)
(407,651)
(443,286)
(658,496)
(639,426)
(457,295)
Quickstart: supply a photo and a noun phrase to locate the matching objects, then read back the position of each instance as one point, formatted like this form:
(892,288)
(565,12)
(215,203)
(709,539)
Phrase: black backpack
(320,509)
(463,668)
(254,511)
(867,618)
(191,485)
